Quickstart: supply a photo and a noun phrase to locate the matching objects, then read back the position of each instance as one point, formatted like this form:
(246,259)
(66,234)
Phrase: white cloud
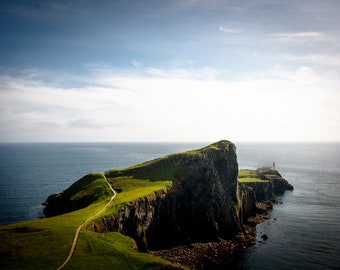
(167,105)
(229,30)
(88,124)
(304,37)
(328,60)
(136,63)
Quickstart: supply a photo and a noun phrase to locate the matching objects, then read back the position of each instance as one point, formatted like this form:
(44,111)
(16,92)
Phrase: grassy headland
(45,243)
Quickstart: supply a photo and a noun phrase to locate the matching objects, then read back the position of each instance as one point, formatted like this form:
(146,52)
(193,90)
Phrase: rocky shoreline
(223,253)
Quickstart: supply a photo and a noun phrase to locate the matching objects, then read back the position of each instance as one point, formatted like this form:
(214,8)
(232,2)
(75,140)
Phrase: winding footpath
(75,239)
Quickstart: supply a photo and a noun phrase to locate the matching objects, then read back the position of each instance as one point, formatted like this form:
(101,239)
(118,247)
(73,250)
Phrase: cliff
(205,202)
(195,196)
(266,183)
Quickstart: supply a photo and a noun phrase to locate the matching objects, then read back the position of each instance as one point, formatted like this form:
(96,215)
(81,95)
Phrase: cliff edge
(204,203)
(204,199)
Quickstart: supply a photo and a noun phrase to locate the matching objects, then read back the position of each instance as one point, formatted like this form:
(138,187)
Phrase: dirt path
(74,243)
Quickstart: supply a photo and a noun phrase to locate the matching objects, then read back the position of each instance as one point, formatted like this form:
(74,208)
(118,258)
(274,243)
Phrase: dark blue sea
(304,231)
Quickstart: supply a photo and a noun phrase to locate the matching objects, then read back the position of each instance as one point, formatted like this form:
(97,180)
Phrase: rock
(264,236)
(251,221)
(272,184)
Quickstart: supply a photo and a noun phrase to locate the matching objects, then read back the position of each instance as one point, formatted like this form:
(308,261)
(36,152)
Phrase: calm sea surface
(304,235)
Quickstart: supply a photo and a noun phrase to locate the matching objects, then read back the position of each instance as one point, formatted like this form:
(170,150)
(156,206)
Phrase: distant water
(306,234)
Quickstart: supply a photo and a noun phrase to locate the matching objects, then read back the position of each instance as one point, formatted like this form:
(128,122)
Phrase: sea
(303,232)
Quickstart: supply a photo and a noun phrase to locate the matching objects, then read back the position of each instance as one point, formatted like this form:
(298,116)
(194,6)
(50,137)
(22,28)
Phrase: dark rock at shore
(264,236)
(221,254)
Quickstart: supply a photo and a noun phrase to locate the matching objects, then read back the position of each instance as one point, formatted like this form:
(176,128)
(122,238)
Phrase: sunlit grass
(42,243)
(248,176)
(113,251)
(249,180)
(45,243)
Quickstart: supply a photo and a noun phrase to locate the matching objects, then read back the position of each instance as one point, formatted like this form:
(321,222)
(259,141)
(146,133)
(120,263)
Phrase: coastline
(220,198)
(303,165)
(211,255)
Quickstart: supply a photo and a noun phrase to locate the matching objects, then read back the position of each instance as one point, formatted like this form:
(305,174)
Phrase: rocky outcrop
(247,206)
(274,184)
(205,202)
(134,219)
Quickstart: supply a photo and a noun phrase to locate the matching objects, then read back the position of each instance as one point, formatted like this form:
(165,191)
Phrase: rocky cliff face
(274,184)
(205,202)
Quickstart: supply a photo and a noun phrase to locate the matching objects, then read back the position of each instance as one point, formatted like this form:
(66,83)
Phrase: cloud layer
(168,105)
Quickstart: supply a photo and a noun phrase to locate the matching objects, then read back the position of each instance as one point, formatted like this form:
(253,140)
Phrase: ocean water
(305,233)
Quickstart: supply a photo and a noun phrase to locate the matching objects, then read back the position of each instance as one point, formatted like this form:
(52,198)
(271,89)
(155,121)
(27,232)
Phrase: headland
(196,202)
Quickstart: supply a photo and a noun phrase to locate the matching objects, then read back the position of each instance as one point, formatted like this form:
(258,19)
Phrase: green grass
(168,173)
(92,185)
(249,176)
(215,146)
(251,180)
(45,243)
(90,188)
(270,175)
(42,243)
(113,251)
(131,190)
(196,152)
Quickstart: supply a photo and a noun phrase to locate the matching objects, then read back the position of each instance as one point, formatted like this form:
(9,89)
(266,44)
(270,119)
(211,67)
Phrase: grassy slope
(45,243)
(246,176)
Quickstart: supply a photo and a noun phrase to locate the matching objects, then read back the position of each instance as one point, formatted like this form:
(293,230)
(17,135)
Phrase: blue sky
(192,70)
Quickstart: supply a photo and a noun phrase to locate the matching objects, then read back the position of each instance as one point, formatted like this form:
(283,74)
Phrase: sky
(176,70)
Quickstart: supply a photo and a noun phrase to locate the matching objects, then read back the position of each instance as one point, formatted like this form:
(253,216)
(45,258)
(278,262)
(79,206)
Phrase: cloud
(169,105)
(92,124)
(328,60)
(229,30)
(85,123)
(303,37)
(136,63)
(204,73)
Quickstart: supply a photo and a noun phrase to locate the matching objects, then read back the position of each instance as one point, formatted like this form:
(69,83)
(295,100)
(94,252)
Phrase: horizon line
(139,142)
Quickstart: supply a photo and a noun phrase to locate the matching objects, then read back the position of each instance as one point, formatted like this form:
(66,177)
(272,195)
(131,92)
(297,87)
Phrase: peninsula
(136,217)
